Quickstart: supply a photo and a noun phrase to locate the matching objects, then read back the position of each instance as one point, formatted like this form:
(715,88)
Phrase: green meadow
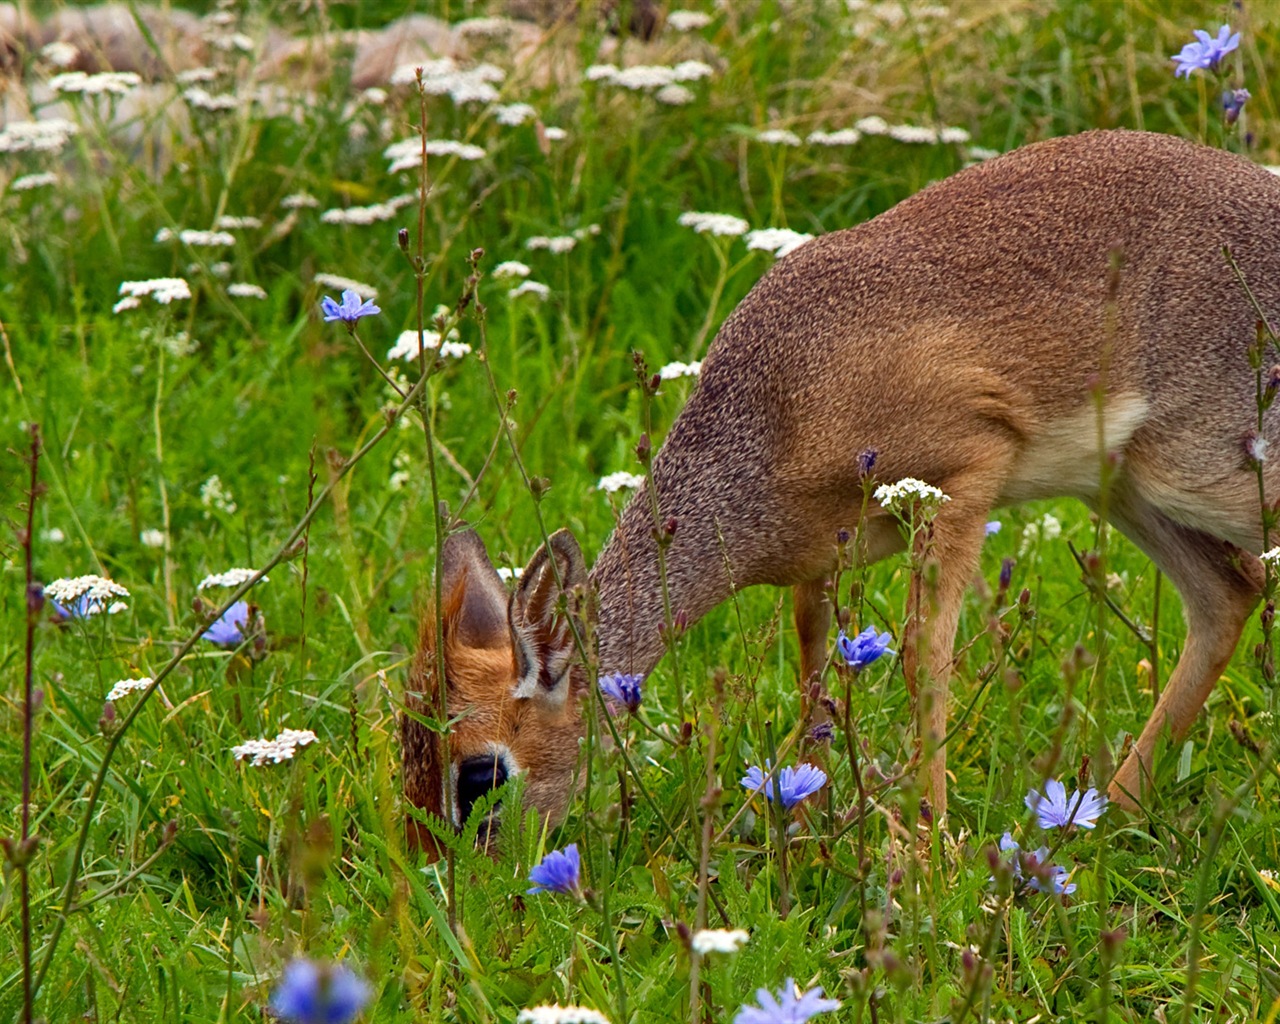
(232,427)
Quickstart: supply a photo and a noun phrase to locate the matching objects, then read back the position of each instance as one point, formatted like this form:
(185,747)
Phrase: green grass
(308,856)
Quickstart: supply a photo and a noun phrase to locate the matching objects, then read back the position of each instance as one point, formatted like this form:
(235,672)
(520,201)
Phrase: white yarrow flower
(513,114)
(511,268)
(407,153)
(901,496)
(53,535)
(674,95)
(719,940)
(688,21)
(215,496)
(162,289)
(1271,557)
(873,125)
(29,181)
(152,538)
(116,83)
(534,288)
(243,290)
(127,686)
(558,245)
(778,137)
(46,136)
(617,481)
(282,748)
(677,369)
(843,137)
(561,1015)
(778,241)
(337,281)
(230,578)
(723,224)
(299,201)
(406,346)
(87,595)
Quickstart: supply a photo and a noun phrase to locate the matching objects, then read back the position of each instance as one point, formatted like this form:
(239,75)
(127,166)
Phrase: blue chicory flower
(1040,874)
(788,1007)
(794,784)
(312,993)
(623,689)
(349,310)
(1055,809)
(1233,101)
(228,631)
(993,527)
(560,871)
(1207,52)
(864,648)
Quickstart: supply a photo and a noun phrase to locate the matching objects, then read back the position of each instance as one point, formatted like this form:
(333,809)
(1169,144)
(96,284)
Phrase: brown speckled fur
(957,335)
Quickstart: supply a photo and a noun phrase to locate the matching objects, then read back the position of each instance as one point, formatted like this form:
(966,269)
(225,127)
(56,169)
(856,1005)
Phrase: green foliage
(138,410)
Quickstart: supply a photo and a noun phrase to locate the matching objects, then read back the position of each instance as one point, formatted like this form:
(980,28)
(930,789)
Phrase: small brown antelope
(961,335)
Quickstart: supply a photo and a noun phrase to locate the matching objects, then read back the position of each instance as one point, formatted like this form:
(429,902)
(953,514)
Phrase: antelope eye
(476,776)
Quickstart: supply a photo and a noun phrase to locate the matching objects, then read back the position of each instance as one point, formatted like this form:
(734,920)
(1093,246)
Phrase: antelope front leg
(944,563)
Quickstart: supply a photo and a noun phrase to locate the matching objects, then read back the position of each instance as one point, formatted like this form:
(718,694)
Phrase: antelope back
(510,690)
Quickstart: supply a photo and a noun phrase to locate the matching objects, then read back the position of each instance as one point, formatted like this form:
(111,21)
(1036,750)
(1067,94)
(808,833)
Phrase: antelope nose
(476,776)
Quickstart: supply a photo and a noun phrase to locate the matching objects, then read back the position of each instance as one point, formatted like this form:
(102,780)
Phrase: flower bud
(402,239)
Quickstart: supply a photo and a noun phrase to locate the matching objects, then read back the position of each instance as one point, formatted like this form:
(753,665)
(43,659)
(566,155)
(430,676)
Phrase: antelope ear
(475,598)
(543,636)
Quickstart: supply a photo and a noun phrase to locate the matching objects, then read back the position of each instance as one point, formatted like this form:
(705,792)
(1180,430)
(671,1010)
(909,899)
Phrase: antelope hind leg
(1220,584)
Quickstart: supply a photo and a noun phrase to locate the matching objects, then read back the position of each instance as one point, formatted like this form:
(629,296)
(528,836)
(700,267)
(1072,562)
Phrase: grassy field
(172,882)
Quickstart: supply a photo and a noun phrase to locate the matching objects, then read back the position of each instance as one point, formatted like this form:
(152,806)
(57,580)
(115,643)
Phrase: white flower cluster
(407,153)
(214,103)
(300,201)
(197,239)
(401,475)
(675,95)
(492,27)
(365,215)
(215,496)
(60,53)
(513,114)
(649,76)
(195,76)
(901,496)
(558,245)
(778,241)
(1048,527)
(342,284)
(719,940)
(553,134)
(910,133)
(778,137)
(163,289)
(506,573)
(1271,557)
(561,1015)
(127,686)
(228,222)
(87,595)
(282,748)
(841,137)
(47,136)
(723,224)
(230,578)
(152,538)
(245,290)
(406,346)
(117,83)
(30,181)
(444,77)
(617,481)
(534,288)
(511,268)
(677,369)
(688,21)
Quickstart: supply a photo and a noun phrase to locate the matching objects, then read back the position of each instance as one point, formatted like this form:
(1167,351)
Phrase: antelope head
(511,686)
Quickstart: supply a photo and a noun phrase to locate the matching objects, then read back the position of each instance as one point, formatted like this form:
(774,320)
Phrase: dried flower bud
(538,486)
(822,732)
(402,239)
(644,448)
(669,527)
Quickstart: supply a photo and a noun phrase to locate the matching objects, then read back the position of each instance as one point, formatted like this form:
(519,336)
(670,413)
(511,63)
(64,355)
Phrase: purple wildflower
(794,784)
(312,993)
(1233,101)
(788,1007)
(1055,809)
(228,631)
(993,527)
(866,462)
(864,648)
(560,871)
(349,310)
(1207,52)
(1039,874)
(624,690)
